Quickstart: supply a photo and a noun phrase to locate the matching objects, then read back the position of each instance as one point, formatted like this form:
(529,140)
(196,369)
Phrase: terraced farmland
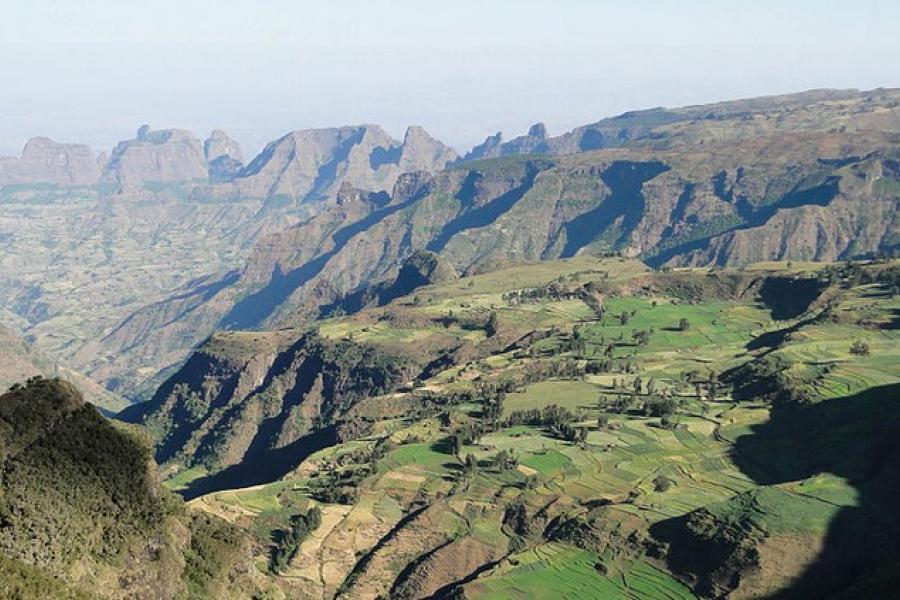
(608,435)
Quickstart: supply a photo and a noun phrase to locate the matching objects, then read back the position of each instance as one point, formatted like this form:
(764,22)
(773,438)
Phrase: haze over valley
(643,354)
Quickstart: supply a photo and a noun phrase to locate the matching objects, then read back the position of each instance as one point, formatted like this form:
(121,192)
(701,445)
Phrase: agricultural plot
(655,435)
(554,571)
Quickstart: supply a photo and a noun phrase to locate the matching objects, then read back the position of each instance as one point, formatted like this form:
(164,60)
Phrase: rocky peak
(312,164)
(423,152)
(46,161)
(223,155)
(409,185)
(165,155)
(538,131)
(493,146)
(527,144)
(37,146)
(489,148)
(220,144)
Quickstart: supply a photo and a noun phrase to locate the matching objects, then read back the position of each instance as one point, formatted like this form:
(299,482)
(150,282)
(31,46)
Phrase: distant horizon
(92,71)
(251,151)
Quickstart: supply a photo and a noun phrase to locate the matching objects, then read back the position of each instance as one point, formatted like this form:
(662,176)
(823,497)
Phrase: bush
(859,348)
(661,483)
(660,407)
(286,548)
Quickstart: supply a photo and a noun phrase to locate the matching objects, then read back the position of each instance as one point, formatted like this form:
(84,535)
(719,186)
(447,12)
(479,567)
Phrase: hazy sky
(93,71)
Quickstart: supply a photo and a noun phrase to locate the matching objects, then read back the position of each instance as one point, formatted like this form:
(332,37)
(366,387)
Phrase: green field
(741,459)
(552,571)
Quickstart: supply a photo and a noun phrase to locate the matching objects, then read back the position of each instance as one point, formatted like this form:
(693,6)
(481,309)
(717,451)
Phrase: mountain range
(651,357)
(117,266)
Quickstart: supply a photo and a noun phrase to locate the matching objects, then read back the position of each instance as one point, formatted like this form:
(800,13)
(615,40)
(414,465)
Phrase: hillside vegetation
(816,181)
(82,513)
(581,428)
(119,271)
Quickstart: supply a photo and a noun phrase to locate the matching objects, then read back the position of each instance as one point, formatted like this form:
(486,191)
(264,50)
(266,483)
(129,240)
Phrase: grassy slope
(617,465)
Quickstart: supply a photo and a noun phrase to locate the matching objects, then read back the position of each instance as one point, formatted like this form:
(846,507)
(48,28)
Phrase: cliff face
(261,399)
(223,155)
(157,156)
(735,120)
(173,220)
(822,196)
(322,214)
(312,164)
(46,161)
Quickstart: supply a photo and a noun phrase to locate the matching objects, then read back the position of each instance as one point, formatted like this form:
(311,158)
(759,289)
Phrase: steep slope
(735,120)
(588,428)
(80,503)
(76,262)
(803,196)
(422,268)
(19,361)
(811,175)
(247,407)
(312,164)
(223,155)
(156,157)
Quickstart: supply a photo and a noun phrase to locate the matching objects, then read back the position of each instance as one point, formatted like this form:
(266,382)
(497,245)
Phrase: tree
(684,324)
(505,461)
(660,407)
(493,324)
(455,443)
(661,483)
(859,348)
(471,464)
(300,527)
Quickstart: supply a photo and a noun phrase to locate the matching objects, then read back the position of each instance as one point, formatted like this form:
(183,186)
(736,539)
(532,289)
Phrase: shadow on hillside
(258,306)
(855,437)
(481,216)
(264,467)
(625,180)
(789,297)
(771,340)
(754,216)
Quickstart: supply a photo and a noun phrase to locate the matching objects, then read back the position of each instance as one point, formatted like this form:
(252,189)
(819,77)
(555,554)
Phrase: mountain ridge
(265,230)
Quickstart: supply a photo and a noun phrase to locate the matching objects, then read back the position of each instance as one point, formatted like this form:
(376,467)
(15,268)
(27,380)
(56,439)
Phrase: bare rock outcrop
(46,161)
(157,156)
(312,164)
(223,155)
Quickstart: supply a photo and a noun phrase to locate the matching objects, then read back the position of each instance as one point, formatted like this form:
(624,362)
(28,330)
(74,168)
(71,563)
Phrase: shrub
(859,348)
(661,483)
